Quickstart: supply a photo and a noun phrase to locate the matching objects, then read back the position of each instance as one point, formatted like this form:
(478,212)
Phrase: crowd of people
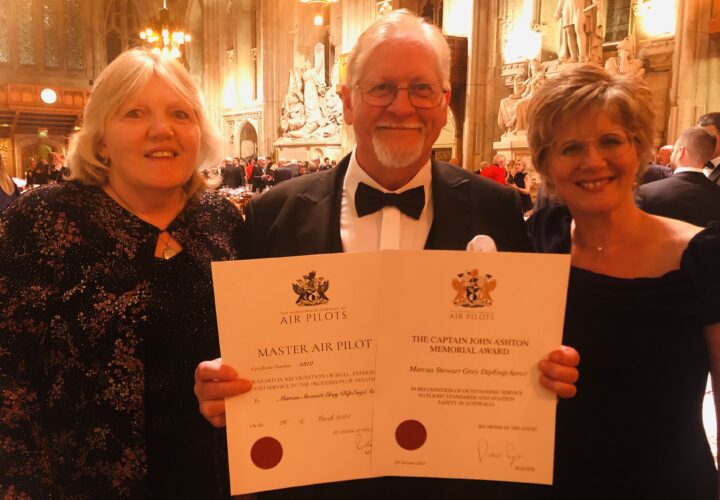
(109,310)
(259,173)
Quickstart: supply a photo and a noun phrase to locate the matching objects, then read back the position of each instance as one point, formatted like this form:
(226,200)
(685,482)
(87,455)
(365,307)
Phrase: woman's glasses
(609,146)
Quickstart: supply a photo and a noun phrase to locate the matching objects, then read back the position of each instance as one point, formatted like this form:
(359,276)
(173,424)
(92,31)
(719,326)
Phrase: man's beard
(393,155)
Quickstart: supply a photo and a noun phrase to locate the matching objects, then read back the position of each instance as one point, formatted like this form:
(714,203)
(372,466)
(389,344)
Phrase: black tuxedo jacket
(302,216)
(687,196)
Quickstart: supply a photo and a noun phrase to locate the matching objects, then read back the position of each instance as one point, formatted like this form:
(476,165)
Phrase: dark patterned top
(99,340)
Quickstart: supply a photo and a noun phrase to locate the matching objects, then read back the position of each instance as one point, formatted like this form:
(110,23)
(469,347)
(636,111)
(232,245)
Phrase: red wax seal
(266,453)
(410,435)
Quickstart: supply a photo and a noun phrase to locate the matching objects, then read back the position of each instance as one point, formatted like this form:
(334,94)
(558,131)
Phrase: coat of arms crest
(311,290)
(473,289)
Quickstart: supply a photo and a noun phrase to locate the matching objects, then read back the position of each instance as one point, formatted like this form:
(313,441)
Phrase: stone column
(689,90)
(214,57)
(480,115)
(356,16)
(277,25)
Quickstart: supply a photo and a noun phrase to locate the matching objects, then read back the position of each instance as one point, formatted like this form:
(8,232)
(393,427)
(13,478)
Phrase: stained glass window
(51,34)
(4,35)
(26,35)
(618,20)
(73,36)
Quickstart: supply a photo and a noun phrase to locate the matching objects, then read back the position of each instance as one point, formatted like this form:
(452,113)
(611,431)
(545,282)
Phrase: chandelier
(162,37)
(319,20)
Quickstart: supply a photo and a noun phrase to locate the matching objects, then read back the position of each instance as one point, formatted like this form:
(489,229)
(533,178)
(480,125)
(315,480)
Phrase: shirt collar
(679,170)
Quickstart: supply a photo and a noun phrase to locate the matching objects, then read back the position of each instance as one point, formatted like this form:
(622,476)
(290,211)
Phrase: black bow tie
(369,200)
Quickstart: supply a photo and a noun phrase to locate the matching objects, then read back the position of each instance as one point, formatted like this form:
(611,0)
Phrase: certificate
(419,363)
(303,330)
(457,387)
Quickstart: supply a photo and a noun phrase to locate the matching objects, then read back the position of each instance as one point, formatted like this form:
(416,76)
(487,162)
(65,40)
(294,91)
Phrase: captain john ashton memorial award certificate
(415,363)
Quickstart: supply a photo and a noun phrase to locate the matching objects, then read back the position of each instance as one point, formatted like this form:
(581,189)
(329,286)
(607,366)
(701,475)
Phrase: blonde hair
(125,76)
(398,25)
(579,89)
(6,182)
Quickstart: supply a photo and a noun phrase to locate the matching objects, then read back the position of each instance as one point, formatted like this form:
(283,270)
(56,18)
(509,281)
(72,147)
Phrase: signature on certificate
(512,453)
(362,442)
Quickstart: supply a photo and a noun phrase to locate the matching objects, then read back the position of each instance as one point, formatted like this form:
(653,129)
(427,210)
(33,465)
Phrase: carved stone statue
(625,62)
(293,110)
(581,35)
(508,105)
(535,80)
(311,108)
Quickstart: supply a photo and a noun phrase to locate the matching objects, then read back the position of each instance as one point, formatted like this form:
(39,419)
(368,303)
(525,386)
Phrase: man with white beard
(386,194)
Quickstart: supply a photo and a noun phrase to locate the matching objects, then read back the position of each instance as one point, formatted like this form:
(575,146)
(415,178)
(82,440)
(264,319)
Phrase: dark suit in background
(233,176)
(687,196)
(655,172)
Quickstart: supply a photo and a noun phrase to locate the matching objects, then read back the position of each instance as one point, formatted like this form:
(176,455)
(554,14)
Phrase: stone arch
(247,139)
(35,147)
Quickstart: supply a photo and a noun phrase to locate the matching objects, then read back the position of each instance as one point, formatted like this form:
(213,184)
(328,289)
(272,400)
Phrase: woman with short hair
(644,291)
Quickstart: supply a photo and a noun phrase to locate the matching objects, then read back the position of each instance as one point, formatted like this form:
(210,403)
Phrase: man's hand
(559,371)
(213,383)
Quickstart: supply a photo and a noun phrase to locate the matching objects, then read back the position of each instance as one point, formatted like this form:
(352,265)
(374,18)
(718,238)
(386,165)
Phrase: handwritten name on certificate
(303,330)
(457,386)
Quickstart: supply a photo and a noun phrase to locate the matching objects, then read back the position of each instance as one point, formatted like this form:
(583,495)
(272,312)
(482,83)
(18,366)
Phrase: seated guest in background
(282,173)
(711,123)
(644,293)
(8,190)
(662,169)
(688,194)
(56,170)
(326,164)
(496,171)
(446,207)
(108,303)
(40,172)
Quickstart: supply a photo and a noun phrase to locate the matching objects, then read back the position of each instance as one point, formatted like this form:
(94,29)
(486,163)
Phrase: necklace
(168,252)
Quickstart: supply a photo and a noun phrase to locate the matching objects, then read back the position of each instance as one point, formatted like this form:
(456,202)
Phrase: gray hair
(125,76)
(399,24)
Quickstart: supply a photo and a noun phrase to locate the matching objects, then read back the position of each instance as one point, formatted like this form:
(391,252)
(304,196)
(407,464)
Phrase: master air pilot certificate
(416,363)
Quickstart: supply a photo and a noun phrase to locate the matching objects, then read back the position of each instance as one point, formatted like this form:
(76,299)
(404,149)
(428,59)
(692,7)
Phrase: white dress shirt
(387,228)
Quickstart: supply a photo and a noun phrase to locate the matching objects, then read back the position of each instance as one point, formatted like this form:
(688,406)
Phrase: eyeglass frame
(443,91)
(628,136)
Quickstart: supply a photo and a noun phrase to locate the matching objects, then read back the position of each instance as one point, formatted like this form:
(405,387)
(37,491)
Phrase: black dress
(99,341)
(635,428)
(519,181)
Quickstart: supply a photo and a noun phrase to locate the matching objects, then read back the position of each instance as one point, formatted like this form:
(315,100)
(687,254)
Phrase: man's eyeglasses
(609,145)
(421,95)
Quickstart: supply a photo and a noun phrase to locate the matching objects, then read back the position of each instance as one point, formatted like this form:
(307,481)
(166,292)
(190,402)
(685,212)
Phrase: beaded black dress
(99,341)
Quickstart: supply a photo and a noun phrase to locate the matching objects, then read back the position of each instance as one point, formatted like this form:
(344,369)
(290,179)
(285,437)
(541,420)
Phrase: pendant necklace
(167,252)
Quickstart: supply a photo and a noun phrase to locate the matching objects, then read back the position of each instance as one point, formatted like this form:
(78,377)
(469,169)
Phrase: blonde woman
(107,297)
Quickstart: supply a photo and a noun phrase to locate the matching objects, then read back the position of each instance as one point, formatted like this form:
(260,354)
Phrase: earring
(104,160)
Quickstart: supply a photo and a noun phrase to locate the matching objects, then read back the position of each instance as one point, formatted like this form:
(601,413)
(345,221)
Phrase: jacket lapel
(451,210)
(318,213)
